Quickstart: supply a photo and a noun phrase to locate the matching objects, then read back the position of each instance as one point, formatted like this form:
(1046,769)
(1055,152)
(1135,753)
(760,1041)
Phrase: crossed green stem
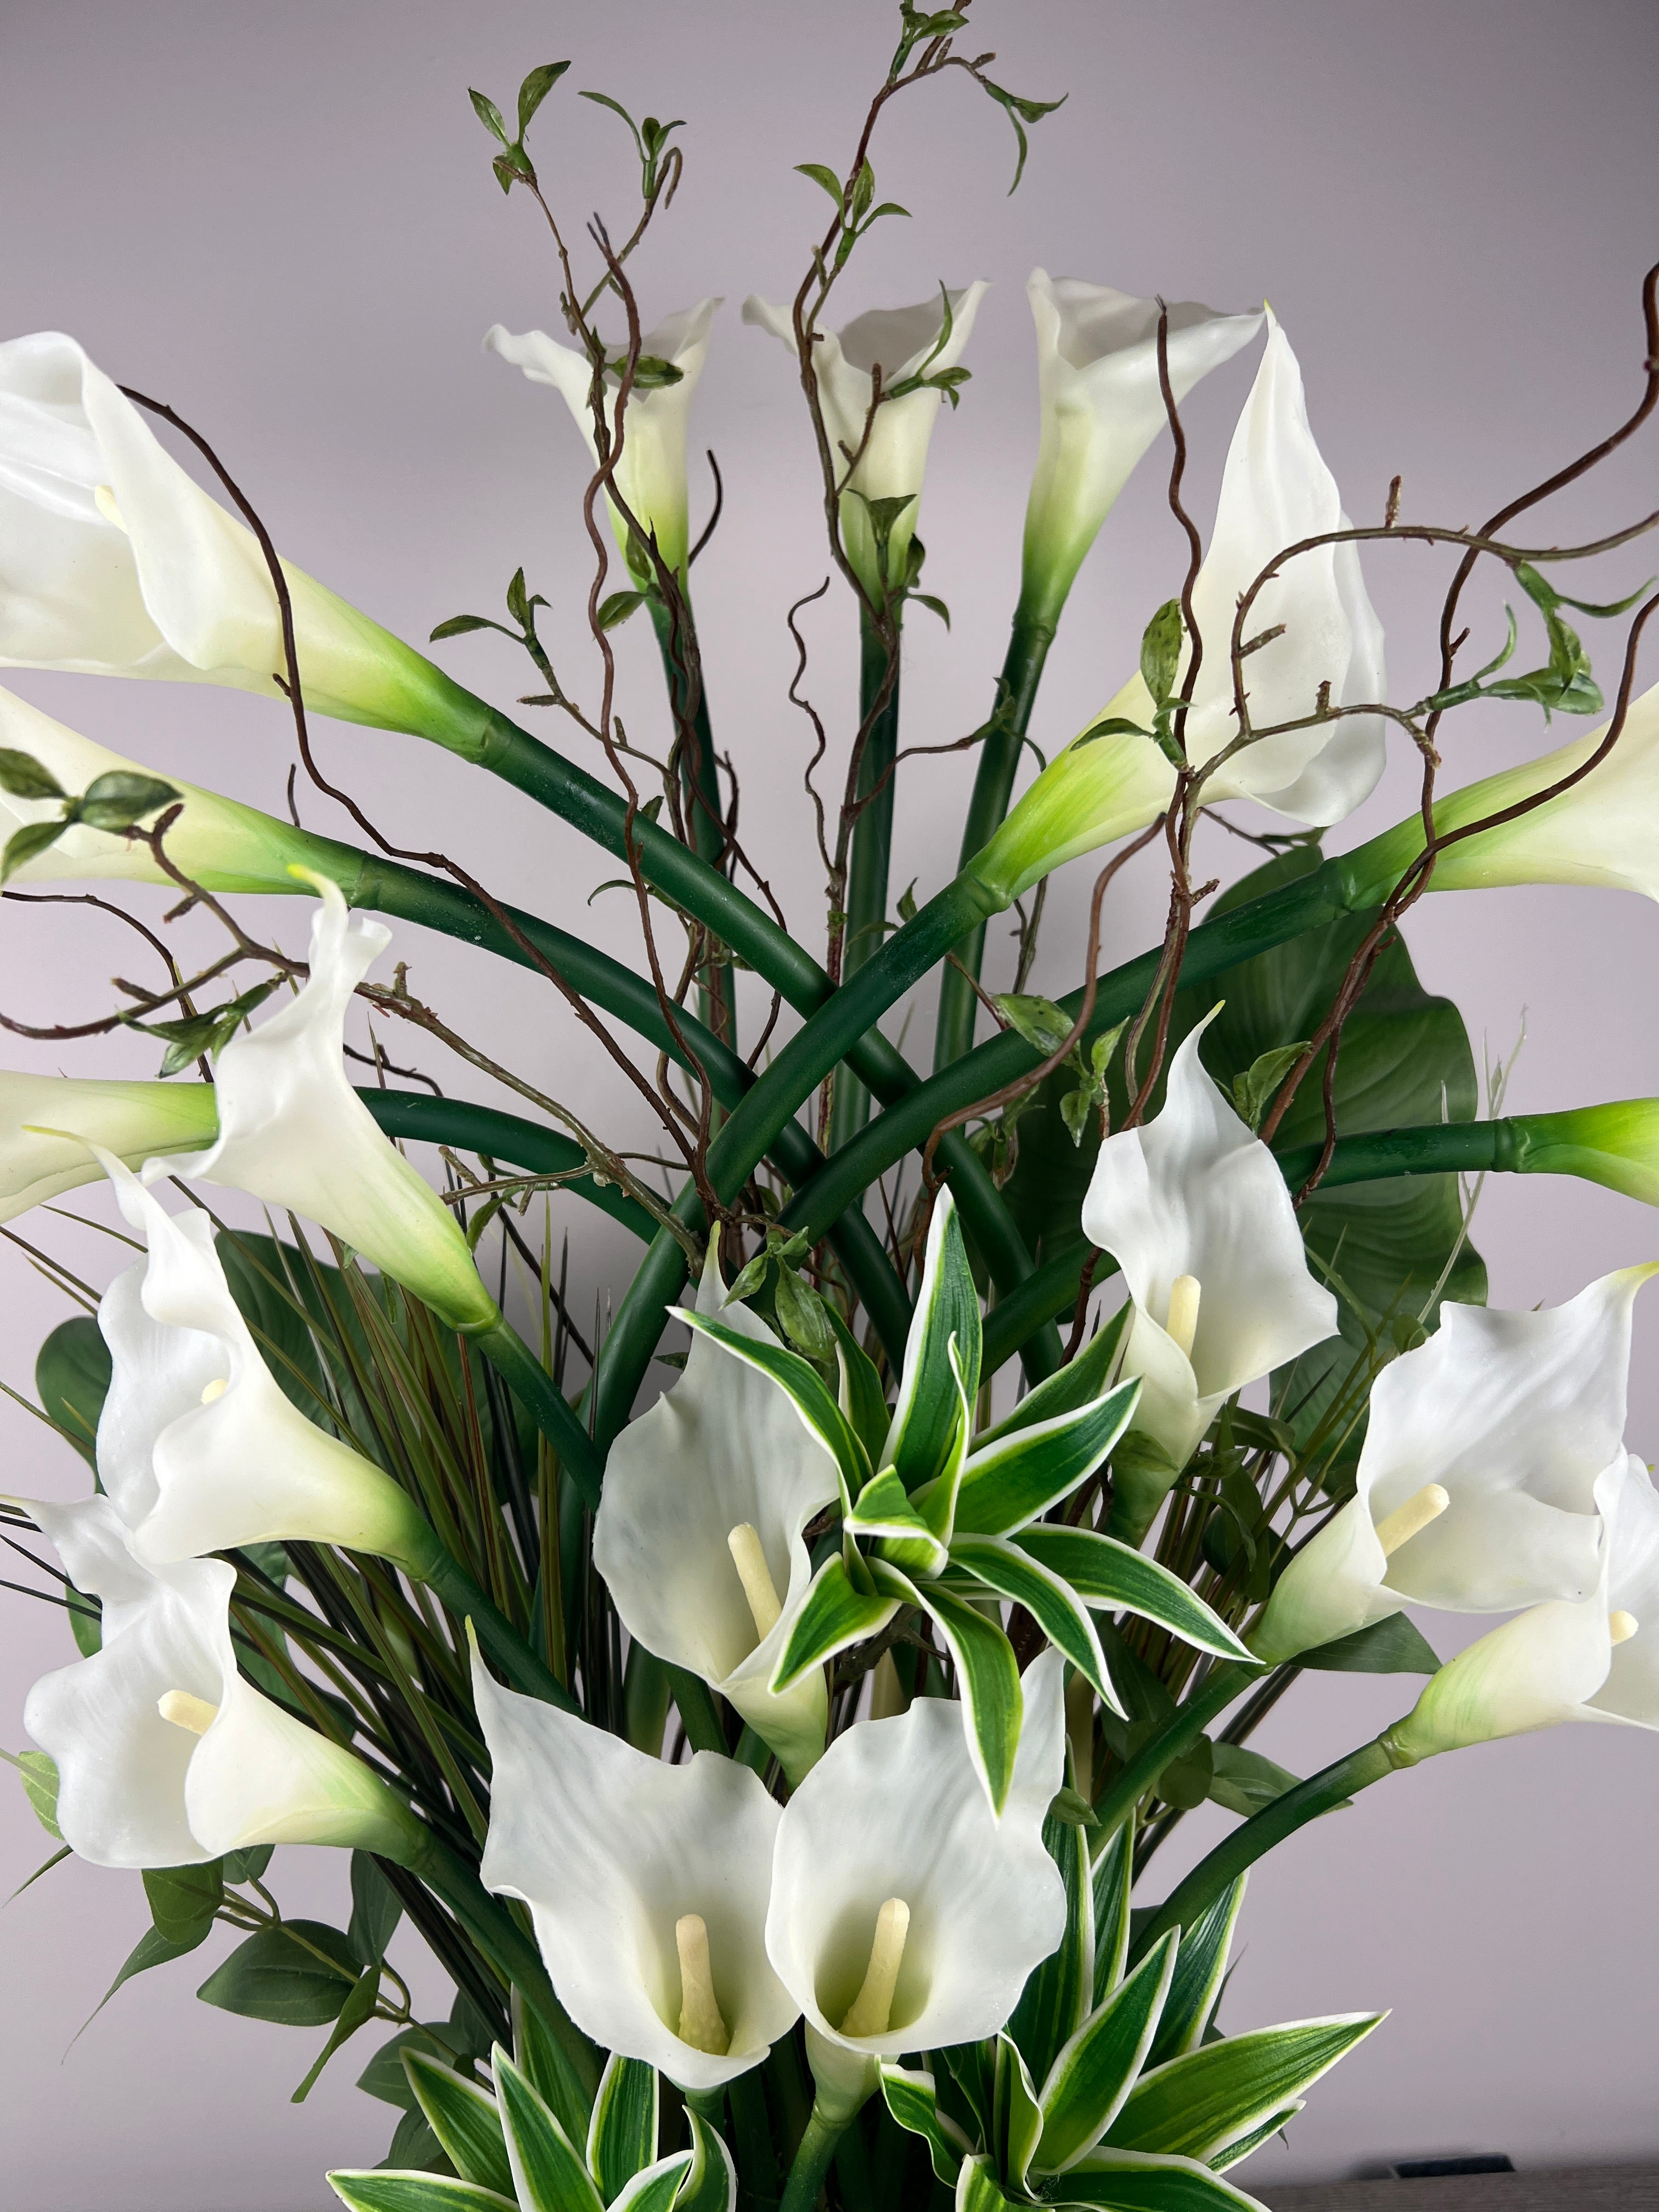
(870,861)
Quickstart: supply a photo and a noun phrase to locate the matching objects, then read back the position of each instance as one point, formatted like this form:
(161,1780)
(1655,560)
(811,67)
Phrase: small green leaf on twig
(822,175)
(40,1774)
(614,610)
(1254,1090)
(535,89)
(24,776)
(116,800)
(1043,1025)
(489,114)
(23,845)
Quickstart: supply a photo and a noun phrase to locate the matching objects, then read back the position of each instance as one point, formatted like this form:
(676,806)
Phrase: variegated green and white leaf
(1199,2104)
(976,2186)
(987,1676)
(1124,2181)
(380,2190)
(863,1400)
(1235,2154)
(1009,1483)
(464,2119)
(1199,1971)
(656,2187)
(711,2183)
(1109,1577)
(1114,1877)
(883,1514)
(622,2136)
(936,1501)
(1059,1989)
(913,2101)
(833,1613)
(1094,2073)
(947,1305)
(549,2172)
(806,1390)
(1080,1383)
(1017,1575)
(1018,2120)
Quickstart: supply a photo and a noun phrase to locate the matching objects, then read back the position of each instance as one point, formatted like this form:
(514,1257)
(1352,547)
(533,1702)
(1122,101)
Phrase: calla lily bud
(1194,1210)
(293,1132)
(165,1755)
(1604,832)
(1101,407)
(50,1125)
(651,471)
(217,843)
(1616,1145)
(1514,1418)
(924,341)
(115,562)
(647,1884)
(904,1914)
(699,1532)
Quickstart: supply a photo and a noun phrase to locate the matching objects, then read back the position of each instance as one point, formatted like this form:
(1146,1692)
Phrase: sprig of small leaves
(1160,659)
(512,165)
(651,143)
(1254,1090)
(947,381)
(1046,1027)
(800,1308)
(1563,685)
(196,1036)
(115,801)
(853,204)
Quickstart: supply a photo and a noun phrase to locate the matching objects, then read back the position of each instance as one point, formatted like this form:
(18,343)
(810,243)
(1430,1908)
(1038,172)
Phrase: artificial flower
(50,1124)
(892,449)
(646,1886)
(1616,1145)
(651,471)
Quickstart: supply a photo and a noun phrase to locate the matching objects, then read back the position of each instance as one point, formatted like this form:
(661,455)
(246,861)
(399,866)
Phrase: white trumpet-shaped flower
(198,1448)
(1195,1210)
(905,1916)
(293,1132)
(1102,407)
(892,449)
(651,471)
(165,1755)
(50,1125)
(699,1532)
(114,560)
(646,1885)
(1476,1489)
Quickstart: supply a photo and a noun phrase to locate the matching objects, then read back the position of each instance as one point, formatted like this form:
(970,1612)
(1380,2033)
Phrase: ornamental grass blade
(805,1387)
(1058,1992)
(464,2119)
(1199,1971)
(1109,1576)
(1094,2073)
(833,1613)
(913,2101)
(622,2136)
(548,2171)
(1009,1483)
(1209,2100)
(1064,1619)
(1113,1876)
(1018,2120)
(1126,2181)
(987,1676)
(947,1306)
(378,2190)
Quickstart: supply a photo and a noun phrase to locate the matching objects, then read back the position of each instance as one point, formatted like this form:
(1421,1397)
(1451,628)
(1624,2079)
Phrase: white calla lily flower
(699,1532)
(198,1448)
(50,1125)
(1102,407)
(1194,1210)
(293,1132)
(115,562)
(1476,1489)
(165,1756)
(650,472)
(902,343)
(905,1916)
(646,1886)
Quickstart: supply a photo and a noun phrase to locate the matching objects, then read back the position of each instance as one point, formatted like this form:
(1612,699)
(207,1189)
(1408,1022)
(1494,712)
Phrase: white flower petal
(1631,1692)
(1333,1586)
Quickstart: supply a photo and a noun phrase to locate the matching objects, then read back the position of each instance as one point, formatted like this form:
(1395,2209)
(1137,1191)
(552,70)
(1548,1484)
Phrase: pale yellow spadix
(1423,1506)
(701,2024)
(103,498)
(185,1711)
(749,1557)
(870,2010)
(1621,1626)
(214,1389)
(1181,1327)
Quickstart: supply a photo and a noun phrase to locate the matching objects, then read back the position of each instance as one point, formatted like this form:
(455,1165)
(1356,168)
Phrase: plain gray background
(281,219)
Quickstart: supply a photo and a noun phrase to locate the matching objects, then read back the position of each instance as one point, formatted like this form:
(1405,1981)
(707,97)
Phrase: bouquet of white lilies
(771,1768)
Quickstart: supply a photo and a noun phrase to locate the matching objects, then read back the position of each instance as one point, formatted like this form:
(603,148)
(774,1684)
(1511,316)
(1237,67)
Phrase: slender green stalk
(813,2161)
(697,1709)
(543,1399)
(870,861)
(700,786)
(1248,1841)
(443,1574)
(994,784)
(416,1117)
(1050,1290)
(1227,1680)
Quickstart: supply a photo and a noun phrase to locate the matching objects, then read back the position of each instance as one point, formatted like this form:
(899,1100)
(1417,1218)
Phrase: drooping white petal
(292,1131)
(724,1448)
(609,1849)
(1631,1692)
(1193,1193)
(895,1809)
(49,1124)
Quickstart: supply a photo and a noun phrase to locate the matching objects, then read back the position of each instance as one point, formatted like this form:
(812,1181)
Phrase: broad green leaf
(805,1387)
(184,1901)
(152,1949)
(821,173)
(1081,1382)
(1109,1576)
(930,1395)
(1236,2152)
(414,2150)
(248,1865)
(1014,1480)
(1095,2072)
(834,1614)
(376,1910)
(38,1770)
(622,2136)
(1393,1646)
(25,777)
(358,2008)
(1200,1969)
(1185,1782)
(464,2119)
(863,1400)
(1018,2119)
(1113,1876)
(987,1676)
(71,1377)
(377,2190)
(1244,1781)
(1059,1989)
(548,2171)
(882,1509)
(656,2188)
(1254,1090)
(1020,1576)
(385,2076)
(912,2099)
(710,2185)
(535,89)
(1197,2104)
(1125,2181)
(120,797)
(277,1975)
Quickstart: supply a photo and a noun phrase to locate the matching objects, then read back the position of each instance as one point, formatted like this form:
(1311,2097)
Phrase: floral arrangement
(772,1769)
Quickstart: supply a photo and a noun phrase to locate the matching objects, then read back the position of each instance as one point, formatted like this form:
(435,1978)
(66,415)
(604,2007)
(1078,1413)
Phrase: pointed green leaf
(71,1377)
(863,1400)
(464,2119)
(377,2190)
(1079,1384)
(376,1909)
(1093,2074)
(27,844)
(1199,2104)
(39,1773)
(46,1866)
(25,777)
(883,1511)
(548,2171)
(383,2076)
(821,173)
(489,114)
(152,1949)
(1007,1484)
(947,1305)
(987,1676)
(358,2008)
(535,89)
(622,2136)
(805,1387)
(710,2183)
(1235,2153)
(544,2064)
(913,2101)
(1244,1782)
(1199,1971)
(1126,2181)
(656,2188)
(937,1500)
(1064,1619)
(1113,1876)
(414,2149)
(1044,1026)
(833,1615)
(1059,1989)
(115,800)
(277,1975)
(1018,2121)
(1393,1646)
(183,1900)
(976,2187)
(1109,1576)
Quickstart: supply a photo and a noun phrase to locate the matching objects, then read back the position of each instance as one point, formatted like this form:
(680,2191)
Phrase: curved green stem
(1254,1838)
(545,1403)
(1227,1680)
(871,853)
(416,1117)
(813,2161)
(994,784)
(699,782)
(431,1564)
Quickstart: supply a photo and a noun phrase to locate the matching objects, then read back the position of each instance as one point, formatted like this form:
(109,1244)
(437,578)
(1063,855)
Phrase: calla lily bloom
(650,472)
(293,1132)
(114,560)
(1616,1145)
(50,1124)
(1604,832)
(905,1916)
(198,1448)
(165,1755)
(1476,1489)
(1595,1658)
(699,1532)
(1101,407)
(902,343)
(646,1886)
(1195,1210)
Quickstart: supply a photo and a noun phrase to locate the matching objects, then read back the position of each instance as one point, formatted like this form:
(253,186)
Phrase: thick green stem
(700,783)
(1227,1680)
(415,1117)
(1258,1835)
(545,1403)
(1436,1148)
(994,784)
(870,861)
(813,2162)
(496,1636)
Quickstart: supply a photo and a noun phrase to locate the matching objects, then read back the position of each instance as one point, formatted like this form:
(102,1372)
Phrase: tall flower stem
(545,1403)
(813,2161)
(873,848)
(699,784)
(446,1577)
